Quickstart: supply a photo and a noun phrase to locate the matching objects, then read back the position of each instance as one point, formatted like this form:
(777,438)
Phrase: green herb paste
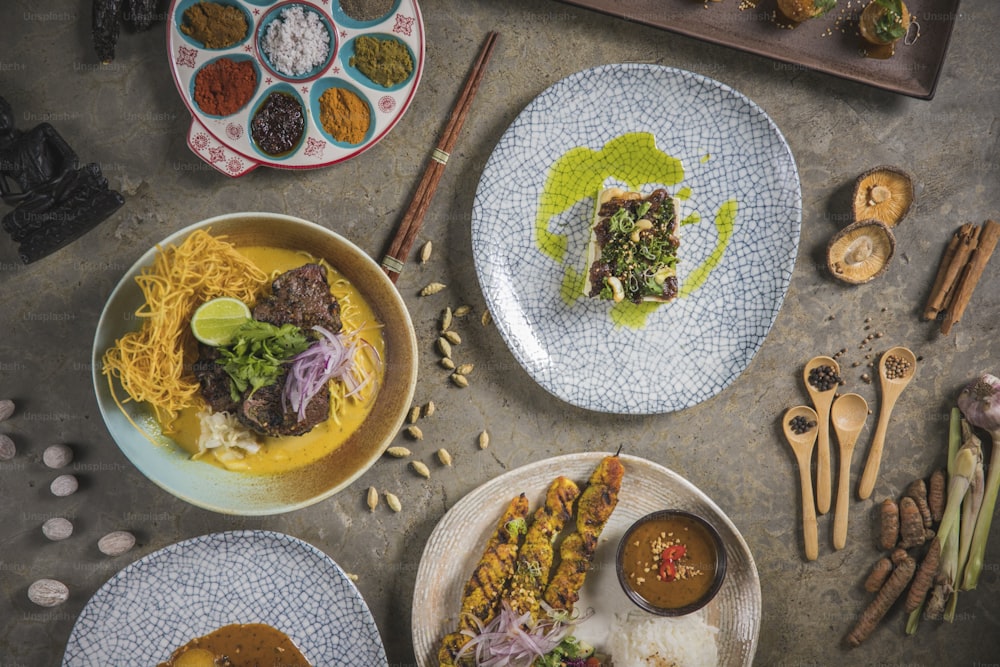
(387,62)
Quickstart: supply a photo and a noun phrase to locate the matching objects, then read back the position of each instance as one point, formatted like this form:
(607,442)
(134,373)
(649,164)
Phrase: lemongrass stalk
(980,403)
(970,508)
(961,464)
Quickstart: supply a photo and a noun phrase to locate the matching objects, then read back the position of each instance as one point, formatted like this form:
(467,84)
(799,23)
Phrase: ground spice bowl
(693,586)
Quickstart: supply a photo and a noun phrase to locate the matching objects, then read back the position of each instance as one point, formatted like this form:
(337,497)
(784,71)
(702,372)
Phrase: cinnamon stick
(938,290)
(409,226)
(988,238)
(968,238)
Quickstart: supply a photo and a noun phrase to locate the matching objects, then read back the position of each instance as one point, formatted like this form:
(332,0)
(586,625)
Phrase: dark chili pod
(106,26)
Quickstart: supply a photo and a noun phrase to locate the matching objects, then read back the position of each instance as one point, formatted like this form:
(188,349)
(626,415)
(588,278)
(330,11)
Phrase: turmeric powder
(344,115)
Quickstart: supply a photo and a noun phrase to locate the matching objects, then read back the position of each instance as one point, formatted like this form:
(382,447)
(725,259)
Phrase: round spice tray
(291,90)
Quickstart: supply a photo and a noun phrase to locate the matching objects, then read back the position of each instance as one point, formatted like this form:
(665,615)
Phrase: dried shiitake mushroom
(883,193)
(861,251)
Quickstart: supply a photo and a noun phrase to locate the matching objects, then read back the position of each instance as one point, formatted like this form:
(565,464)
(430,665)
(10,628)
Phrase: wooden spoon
(848,414)
(822,401)
(803,445)
(891,389)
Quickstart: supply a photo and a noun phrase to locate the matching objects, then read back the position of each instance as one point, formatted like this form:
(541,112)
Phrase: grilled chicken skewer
(534,559)
(595,506)
(484,590)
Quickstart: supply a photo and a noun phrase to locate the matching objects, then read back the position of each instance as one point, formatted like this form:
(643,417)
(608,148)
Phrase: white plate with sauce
(641,127)
(225,142)
(458,540)
(191,588)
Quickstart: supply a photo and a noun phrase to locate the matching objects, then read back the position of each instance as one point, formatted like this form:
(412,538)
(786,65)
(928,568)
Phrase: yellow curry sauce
(286,453)
(239,645)
(670,582)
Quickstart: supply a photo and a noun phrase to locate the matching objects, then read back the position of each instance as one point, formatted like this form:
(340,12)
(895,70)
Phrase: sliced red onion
(512,640)
(331,356)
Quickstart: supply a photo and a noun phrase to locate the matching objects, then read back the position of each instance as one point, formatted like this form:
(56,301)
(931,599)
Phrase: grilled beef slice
(214,380)
(300,297)
(263,412)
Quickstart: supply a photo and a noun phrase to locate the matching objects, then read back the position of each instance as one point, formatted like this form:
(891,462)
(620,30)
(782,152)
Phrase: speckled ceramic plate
(457,542)
(226,142)
(639,126)
(188,589)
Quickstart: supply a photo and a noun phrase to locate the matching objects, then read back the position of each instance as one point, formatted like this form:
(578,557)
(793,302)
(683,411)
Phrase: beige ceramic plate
(457,542)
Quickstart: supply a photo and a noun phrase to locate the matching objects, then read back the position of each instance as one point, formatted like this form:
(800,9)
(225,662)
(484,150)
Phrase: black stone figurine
(55,200)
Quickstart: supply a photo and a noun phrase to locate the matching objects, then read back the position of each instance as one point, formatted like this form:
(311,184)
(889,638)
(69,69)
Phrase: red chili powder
(223,87)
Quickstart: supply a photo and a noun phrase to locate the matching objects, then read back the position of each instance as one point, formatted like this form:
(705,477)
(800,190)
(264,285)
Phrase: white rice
(296,42)
(642,640)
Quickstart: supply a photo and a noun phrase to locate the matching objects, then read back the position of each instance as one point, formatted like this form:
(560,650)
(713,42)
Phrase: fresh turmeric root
(884,599)
(924,578)
(936,494)
(888,524)
(911,524)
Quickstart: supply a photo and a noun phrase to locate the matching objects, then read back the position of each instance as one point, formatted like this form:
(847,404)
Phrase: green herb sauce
(634,160)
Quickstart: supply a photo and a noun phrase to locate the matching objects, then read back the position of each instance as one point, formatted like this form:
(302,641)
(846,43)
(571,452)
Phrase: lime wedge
(215,321)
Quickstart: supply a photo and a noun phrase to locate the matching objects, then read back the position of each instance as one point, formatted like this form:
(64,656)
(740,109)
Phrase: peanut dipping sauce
(669,562)
(239,645)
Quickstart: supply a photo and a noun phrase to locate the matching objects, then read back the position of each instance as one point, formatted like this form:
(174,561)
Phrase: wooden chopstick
(409,226)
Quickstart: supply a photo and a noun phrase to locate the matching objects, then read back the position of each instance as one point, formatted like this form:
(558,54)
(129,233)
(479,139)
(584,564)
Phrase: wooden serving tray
(827,44)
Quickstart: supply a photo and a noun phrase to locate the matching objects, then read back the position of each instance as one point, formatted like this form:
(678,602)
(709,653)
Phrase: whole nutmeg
(48,593)
(7,448)
(116,543)
(64,485)
(57,528)
(6,409)
(57,456)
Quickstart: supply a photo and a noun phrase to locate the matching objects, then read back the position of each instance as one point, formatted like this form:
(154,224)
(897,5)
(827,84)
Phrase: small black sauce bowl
(720,568)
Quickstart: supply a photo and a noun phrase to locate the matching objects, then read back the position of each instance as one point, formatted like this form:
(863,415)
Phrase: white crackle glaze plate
(529,237)
(190,588)
(457,542)
(225,142)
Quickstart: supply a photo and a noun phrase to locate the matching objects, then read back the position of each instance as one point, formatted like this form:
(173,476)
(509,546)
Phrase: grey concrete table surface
(128,117)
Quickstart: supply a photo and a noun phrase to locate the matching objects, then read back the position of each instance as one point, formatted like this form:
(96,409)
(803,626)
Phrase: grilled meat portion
(300,297)
(576,552)
(214,380)
(484,590)
(534,559)
(264,413)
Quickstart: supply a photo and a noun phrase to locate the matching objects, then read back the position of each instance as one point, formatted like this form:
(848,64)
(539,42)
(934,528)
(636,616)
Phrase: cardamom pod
(463,310)
(459,380)
(484,440)
(398,452)
(393,502)
(372,498)
(415,432)
(452,337)
(421,469)
(425,252)
(445,363)
(444,457)
(414,414)
(432,288)
(486,317)
(444,347)
(429,409)
(446,319)
(464,369)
